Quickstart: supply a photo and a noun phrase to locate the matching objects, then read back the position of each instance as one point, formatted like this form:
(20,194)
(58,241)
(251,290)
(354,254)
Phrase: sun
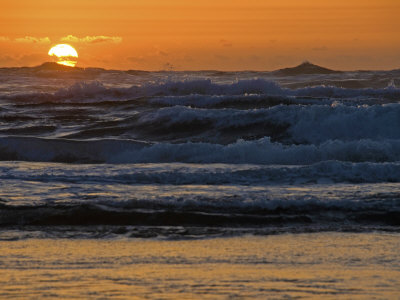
(65,54)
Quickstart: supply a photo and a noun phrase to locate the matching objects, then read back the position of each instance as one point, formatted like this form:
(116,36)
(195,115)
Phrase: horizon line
(199,70)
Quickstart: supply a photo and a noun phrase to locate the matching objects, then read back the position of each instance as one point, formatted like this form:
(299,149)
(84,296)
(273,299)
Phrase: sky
(204,34)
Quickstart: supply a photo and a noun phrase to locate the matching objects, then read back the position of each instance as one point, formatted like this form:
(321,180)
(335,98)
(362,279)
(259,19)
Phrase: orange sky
(206,34)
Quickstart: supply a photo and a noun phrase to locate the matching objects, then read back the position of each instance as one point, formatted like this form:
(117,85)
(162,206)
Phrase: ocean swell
(93,91)
(261,151)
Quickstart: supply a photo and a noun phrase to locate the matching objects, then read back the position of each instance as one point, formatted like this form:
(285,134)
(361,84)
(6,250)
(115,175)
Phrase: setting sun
(65,54)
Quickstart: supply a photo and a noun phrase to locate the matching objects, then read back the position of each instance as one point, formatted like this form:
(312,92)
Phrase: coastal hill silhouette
(52,66)
(304,68)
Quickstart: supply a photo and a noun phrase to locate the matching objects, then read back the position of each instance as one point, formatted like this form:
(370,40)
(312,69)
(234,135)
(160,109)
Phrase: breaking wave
(210,174)
(261,151)
(95,91)
(196,155)
(304,124)
(256,208)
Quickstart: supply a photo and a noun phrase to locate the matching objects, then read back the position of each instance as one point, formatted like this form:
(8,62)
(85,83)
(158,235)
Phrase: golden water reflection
(328,265)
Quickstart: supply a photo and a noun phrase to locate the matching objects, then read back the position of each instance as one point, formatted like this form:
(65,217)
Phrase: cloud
(32,39)
(4,39)
(92,39)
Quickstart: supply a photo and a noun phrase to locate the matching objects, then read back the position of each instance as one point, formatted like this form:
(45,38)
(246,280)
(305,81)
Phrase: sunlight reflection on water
(328,265)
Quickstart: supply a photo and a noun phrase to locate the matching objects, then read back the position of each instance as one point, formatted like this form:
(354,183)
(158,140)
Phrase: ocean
(110,159)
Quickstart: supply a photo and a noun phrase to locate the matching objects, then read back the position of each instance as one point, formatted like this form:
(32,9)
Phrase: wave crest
(261,151)
(95,90)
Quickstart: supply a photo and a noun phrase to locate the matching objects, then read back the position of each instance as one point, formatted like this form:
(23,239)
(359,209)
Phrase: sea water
(111,156)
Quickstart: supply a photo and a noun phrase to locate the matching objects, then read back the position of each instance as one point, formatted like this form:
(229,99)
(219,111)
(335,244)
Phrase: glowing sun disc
(65,54)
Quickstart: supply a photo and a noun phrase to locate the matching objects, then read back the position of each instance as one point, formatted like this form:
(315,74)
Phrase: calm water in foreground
(319,265)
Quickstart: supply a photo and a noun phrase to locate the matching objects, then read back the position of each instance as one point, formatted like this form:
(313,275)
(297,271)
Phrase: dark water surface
(97,153)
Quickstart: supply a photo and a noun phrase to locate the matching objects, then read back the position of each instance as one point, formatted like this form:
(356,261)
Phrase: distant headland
(305,68)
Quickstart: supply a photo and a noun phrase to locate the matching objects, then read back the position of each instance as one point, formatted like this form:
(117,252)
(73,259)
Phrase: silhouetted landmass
(304,68)
(52,66)
(49,69)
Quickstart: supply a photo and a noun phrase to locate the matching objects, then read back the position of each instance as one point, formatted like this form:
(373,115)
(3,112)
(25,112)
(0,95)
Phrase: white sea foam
(261,151)
(95,90)
(326,172)
(307,124)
